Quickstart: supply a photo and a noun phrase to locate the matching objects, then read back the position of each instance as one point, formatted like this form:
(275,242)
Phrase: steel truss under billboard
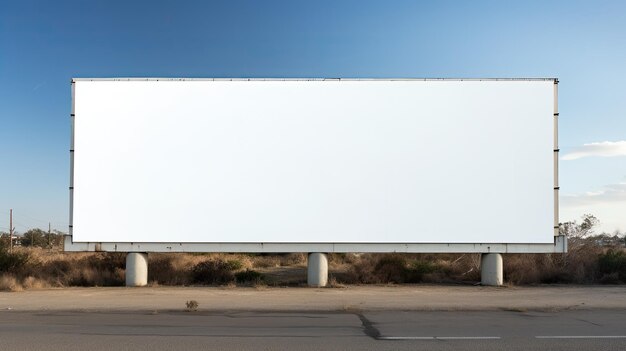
(314,165)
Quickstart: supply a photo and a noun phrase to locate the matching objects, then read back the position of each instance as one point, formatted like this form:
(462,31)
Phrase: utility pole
(11,231)
(49,246)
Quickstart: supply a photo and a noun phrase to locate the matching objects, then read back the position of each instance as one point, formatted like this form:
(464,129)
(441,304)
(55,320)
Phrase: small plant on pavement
(192,305)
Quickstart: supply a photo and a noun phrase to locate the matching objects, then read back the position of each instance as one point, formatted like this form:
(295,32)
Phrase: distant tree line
(35,237)
(586,229)
(574,230)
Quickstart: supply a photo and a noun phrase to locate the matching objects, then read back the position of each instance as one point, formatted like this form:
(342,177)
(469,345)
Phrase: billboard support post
(317,269)
(491,269)
(136,269)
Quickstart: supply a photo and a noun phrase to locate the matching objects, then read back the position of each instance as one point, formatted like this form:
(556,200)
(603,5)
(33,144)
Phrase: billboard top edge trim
(308,79)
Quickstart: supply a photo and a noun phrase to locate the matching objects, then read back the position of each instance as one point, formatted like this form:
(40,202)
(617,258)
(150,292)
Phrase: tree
(585,228)
(35,237)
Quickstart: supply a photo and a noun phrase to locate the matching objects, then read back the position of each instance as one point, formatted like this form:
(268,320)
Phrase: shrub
(588,261)
(35,237)
(234,265)
(394,268)
(9,283)
(4,241)
(418,270)
(391,269)
(162,271)
(249,276)
(214,271)
(191,305)
(293,259)
(612,265)
(13,261)
(266,261)
(338,259)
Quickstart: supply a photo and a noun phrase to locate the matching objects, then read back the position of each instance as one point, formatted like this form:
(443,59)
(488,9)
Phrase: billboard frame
(559,244)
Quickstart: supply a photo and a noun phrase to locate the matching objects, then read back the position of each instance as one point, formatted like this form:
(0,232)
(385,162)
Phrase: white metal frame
(559,245)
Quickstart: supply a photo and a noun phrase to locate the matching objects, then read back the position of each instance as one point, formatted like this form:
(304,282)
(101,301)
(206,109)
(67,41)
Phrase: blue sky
(45,43)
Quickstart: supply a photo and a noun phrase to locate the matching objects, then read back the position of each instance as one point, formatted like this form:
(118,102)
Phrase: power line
(27,215)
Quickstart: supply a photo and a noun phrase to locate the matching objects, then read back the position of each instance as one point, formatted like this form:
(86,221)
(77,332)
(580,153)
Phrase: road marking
(467,337)
(406,338)
(439,338)
(582,337)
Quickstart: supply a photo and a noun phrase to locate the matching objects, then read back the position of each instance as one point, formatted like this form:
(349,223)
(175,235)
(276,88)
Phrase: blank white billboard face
(371,161)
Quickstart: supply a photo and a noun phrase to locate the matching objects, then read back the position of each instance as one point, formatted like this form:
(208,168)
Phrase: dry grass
(578,266)
(333,283)
(37,268)
(10,283)
(44,269)
(283,260)
(410,268)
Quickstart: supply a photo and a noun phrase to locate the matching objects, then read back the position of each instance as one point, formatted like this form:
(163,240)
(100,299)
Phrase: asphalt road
(344,330)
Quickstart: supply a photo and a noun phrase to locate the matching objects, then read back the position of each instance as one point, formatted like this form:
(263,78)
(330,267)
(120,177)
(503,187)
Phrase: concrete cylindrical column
(491,270)
(136,269)
(317,274)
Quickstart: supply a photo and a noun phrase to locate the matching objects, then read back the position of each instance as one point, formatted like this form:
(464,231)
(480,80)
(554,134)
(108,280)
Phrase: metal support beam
(558,246)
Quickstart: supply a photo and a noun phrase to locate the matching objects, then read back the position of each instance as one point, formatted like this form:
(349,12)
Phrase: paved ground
(355,318)
(368,298)
(457,330)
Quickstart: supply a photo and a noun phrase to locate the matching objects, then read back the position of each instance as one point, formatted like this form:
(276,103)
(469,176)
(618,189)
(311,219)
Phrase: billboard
(313,161)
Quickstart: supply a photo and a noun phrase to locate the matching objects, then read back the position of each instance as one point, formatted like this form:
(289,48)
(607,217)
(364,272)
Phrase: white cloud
(610,193)
(599,149)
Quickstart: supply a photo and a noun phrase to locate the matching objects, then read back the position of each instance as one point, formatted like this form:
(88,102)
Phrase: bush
(234,265)
(215,271)
(4,241)
(391,269)
(578,266)
(35,237)
(419,269)
(249,276)
(106,261)
(589,261)
(11,262)
(612,265)
(191,305)
(162,270)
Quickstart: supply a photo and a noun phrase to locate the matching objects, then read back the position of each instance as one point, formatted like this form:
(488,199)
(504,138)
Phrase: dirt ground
(366,298)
